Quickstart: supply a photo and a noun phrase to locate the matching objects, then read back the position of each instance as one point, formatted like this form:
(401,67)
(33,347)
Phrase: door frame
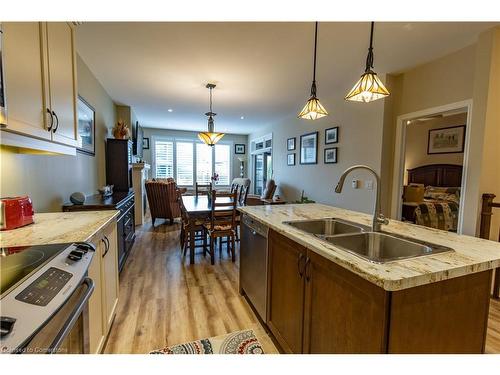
(400,151)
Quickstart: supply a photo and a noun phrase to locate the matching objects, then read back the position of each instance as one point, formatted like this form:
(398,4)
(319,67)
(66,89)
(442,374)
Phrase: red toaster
(15,212)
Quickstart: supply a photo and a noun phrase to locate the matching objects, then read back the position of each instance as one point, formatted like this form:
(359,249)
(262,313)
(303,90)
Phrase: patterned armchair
(162,199)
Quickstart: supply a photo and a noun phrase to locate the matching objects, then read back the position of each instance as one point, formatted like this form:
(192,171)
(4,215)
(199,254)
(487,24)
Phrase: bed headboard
(436,175)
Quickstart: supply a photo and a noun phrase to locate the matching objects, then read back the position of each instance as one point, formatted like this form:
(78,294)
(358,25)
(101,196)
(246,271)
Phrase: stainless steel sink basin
(327,227)
(380,247)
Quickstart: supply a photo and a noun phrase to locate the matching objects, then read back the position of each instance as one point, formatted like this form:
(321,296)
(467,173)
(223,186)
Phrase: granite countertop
(58,227)
(471,254)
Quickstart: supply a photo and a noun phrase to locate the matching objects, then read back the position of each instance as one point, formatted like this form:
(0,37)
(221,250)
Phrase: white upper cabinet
(24,79)
(61,73)
(40,80)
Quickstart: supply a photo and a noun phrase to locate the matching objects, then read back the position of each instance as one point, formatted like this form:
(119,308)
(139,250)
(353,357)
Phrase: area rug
(240,342)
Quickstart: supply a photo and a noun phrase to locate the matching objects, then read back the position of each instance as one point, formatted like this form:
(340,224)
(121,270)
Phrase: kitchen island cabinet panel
(286,292)
(343,312)
(446,317)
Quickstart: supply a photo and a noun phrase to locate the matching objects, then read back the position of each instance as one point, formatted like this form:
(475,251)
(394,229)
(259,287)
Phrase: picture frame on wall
(239,149)
(290,159)
(331,155)
(309,148)
(290,144)
(332,135)
(448,140)
(145,143)
(86,127)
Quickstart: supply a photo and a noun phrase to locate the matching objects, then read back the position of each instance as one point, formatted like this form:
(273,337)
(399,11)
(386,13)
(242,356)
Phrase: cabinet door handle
(299,264)
(106,245)
(57,122)
(51,120)
(307,269)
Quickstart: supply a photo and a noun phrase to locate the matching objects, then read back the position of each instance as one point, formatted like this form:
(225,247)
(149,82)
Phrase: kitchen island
(96,227)
(323,299)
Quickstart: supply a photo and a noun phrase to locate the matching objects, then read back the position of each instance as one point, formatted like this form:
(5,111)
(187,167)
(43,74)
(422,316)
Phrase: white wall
(231,139)
(50,180)
(360,139)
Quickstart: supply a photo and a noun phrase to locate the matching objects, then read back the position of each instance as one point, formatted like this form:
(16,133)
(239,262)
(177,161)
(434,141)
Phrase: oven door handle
(68,325)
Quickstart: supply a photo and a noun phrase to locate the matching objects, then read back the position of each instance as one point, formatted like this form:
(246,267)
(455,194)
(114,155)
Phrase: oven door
(67,331)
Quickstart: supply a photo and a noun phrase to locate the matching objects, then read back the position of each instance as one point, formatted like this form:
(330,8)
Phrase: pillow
(450,194)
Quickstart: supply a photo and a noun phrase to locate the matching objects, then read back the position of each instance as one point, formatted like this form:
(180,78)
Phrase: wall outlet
(355,184)
(369,184)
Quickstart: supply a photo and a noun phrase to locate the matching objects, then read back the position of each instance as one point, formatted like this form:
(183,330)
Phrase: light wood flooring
(165,301)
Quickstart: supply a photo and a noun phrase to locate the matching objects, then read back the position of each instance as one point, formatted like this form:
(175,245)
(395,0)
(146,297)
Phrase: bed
(440,205)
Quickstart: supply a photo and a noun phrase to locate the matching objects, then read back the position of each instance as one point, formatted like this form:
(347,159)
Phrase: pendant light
(210,137)
(369,87)
(313,109)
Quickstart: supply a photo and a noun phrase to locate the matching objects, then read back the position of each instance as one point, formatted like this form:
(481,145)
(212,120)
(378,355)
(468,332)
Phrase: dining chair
(199,229)
(222,222)
(203,189)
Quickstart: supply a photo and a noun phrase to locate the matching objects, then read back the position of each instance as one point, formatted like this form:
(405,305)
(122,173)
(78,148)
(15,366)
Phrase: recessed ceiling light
(242,117)
(170,110)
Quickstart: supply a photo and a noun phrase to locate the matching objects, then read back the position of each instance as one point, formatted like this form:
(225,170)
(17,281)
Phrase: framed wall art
(446,140)
(309,148)
(290,144)
(332,135)
(331,155)
(290,159)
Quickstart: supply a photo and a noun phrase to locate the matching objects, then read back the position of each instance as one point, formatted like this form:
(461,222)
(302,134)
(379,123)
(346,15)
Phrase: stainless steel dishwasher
(253,264)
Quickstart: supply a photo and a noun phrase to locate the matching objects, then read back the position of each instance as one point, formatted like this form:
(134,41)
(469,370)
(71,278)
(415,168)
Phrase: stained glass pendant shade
(313,109)
(369,87)
(210,137)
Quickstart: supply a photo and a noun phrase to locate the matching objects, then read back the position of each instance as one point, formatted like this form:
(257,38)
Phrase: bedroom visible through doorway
(433,169)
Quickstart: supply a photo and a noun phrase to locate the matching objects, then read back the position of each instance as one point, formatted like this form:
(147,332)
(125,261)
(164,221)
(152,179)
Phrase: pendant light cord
(369,58)
(210,100)
(313,86)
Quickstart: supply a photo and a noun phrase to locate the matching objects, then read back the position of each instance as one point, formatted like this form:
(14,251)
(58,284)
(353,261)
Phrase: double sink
(360,240)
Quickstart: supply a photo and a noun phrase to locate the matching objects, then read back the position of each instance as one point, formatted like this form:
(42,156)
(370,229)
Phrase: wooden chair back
(223,212)
(484,232)
(203,189)
(184,213)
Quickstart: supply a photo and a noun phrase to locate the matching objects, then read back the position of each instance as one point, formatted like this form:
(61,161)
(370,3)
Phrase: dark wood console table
(121,201)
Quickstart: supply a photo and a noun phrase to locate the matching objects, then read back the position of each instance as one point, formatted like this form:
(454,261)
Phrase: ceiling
(262,70)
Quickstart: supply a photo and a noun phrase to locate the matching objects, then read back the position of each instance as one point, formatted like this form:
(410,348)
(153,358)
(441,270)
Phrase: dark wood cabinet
(286,292)
(343,312)
(119,164)
(317,306)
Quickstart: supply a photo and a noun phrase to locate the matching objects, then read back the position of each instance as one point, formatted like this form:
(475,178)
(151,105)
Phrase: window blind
(222,163)
(184,161)
(203,163)
(164,159)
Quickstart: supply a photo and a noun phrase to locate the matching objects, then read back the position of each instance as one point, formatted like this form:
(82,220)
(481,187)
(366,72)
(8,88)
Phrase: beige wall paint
(417,133)
(188,135)
(50,180)
(490,173)
(360,139)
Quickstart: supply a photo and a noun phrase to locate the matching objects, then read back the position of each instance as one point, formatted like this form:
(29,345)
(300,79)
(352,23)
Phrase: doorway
(262,171)
(431,166)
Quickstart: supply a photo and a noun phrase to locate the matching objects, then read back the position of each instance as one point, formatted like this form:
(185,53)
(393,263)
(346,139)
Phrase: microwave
(3,104)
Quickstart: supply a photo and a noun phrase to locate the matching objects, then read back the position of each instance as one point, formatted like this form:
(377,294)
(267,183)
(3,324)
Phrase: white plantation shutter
(203,163)
(184,160)
(164,159)
(222,163)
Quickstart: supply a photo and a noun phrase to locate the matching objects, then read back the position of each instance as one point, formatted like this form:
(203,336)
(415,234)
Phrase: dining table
(199,207)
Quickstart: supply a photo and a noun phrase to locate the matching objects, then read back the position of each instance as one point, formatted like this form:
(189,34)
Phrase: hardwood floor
(165,301)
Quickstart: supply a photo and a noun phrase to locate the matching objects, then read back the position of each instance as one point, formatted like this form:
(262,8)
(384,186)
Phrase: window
(203,163)
(223,164)
(184,161)
(189,161)
(164,159)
